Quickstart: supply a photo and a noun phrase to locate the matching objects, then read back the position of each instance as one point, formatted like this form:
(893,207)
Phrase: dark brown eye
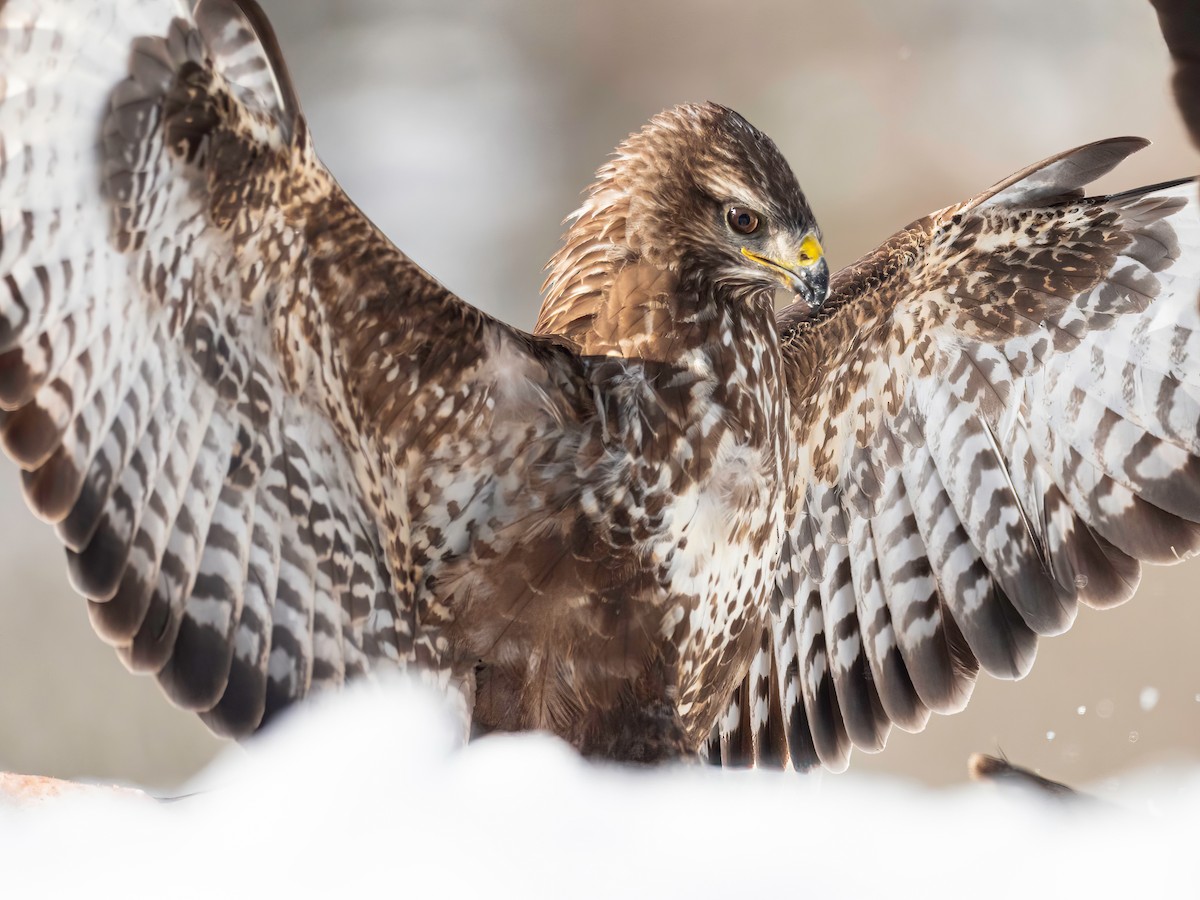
(742,220)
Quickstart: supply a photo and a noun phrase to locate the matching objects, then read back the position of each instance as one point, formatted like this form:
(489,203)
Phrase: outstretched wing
(209,353)
(996,417)
(1180,24)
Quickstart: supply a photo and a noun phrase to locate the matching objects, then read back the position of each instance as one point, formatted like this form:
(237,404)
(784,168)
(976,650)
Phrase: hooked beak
(807,276)
(811,283)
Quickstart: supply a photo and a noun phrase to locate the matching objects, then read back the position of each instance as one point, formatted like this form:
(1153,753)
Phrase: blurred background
(468,128)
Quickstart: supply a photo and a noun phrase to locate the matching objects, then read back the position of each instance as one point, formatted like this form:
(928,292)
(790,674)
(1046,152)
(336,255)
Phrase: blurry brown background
(467,130)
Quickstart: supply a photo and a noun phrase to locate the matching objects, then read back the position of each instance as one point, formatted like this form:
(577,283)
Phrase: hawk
(1179,21)
(669,523)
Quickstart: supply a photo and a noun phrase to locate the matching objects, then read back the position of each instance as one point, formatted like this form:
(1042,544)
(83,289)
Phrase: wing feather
(1180,24)
(994,419)
(210,359)
(889,673)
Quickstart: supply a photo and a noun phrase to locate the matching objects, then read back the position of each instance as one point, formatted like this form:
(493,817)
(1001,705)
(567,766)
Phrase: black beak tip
(816,286)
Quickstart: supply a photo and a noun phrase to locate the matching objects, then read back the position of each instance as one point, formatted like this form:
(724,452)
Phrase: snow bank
(365,795)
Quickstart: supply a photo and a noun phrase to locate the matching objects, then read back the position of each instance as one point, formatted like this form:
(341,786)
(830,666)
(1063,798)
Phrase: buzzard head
(711,199)
(702,196)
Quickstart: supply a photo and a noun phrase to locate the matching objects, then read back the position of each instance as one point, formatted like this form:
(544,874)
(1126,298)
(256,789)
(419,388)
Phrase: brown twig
(1000,771)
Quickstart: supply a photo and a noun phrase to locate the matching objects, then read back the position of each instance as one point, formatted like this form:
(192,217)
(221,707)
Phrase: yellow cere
(810,250)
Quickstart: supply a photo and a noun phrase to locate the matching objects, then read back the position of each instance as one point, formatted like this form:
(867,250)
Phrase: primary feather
(994,419)
(281,456)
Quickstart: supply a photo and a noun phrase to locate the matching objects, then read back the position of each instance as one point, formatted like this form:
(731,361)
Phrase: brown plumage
(1180,24)
(671,522)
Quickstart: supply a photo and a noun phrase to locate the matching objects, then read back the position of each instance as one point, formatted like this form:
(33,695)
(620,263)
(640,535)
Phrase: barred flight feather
(211,515)
(280,456)
(1006,394)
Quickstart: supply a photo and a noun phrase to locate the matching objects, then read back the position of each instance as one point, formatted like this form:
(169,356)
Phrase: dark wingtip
(212,15)
(1060,177)
(96,571)
(1179,21)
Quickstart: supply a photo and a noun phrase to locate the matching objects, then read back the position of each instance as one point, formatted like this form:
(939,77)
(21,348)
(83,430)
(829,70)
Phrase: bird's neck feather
(603,294)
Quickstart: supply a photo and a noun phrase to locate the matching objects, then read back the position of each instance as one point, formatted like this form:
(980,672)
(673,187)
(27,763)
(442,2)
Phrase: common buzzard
(669,523)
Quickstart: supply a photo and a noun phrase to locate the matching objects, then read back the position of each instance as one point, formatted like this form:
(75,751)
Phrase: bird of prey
(1179,21)
(671,522)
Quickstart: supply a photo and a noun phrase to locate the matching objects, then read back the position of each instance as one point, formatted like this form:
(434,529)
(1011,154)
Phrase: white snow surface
(368,794)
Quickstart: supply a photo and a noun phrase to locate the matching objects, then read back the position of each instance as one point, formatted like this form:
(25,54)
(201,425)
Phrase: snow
(368,794)
(1148,699)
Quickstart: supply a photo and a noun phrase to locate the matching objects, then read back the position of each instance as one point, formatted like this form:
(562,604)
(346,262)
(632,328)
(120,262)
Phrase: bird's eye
(742,220)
